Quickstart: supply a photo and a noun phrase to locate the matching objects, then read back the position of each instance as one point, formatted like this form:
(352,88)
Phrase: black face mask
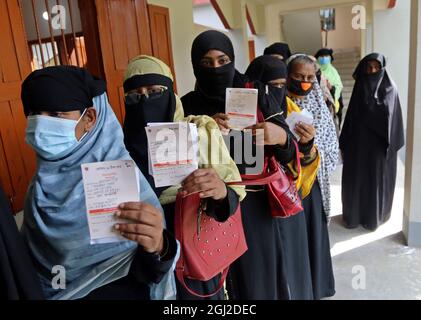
(158,107)
(155,108)
(215,81)
(278,93)
(300,88)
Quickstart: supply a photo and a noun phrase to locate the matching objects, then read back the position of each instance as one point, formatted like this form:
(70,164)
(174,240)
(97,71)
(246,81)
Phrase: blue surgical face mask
(324,60)
(52,138)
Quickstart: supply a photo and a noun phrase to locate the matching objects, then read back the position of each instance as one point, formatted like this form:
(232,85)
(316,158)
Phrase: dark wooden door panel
(124,34)
(17,160)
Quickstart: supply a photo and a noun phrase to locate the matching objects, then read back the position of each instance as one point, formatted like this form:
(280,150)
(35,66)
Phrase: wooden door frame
(112,75)
(16,158)
(90,29)
(165,12)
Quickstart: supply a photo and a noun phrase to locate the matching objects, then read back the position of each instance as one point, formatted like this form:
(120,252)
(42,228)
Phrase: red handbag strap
(256,180)
(180,277)
(267,177)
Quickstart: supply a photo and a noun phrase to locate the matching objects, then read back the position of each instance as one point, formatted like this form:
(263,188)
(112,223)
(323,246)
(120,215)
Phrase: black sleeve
(284,154)
(306,148)
(150,267)
(222,210)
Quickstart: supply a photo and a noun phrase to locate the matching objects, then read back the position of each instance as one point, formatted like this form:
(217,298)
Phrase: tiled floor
(380,260)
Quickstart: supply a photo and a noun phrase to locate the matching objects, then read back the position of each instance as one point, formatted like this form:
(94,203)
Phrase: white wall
(344,36)
(182,36)
(391,38)
(302,31)
(207,16)
(260,43)
(412,213)
(274,32)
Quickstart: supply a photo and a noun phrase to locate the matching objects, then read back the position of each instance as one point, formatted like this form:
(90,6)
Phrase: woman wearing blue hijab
(70,123)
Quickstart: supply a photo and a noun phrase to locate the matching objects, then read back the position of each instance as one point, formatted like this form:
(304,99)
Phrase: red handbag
(208,247)
(283,197)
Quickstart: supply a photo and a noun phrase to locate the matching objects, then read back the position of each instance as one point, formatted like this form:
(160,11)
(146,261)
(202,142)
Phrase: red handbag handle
(267,177)
(180,277)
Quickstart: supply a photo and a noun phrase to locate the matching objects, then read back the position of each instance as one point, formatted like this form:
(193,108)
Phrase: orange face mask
(306,85)
(300,88)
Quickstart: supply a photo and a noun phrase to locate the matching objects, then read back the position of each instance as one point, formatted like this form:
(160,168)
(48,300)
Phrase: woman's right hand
(207,182)
(306,132)
(222,121)
(270,133)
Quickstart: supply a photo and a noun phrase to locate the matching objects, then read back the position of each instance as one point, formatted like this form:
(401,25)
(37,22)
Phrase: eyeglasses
(150,93)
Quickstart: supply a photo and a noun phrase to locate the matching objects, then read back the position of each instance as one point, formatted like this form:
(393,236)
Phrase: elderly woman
(150,98)
(70,123)
(304,91)
(273,72)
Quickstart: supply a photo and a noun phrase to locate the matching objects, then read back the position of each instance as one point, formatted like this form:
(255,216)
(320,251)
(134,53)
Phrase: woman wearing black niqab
(305,235)
(279,49)
(370,140)
(260,272)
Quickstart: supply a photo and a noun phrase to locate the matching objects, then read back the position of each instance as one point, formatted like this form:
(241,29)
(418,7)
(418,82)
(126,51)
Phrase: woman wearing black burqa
(261,272)
(279,50)
(273,72)
(371,138)
(18,279)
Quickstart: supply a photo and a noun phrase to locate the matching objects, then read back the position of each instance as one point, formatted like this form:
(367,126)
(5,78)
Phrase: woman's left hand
(207,183)
(273,134)
(146,228)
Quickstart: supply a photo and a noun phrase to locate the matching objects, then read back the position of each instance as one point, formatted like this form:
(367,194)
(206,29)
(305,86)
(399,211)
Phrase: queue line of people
(70,122)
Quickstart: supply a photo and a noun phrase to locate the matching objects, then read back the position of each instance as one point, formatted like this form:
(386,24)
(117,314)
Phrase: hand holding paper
(297,117)
(172,151)
(306,132)
(107,185)
(207,183)
(241,107)
(144,225)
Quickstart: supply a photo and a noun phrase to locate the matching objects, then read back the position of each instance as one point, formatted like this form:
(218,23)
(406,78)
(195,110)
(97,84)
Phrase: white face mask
(52,138)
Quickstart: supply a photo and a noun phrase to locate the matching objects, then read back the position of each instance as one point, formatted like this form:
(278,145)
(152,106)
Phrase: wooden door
(124,34)
(159,18)
(17,160)
(252,50)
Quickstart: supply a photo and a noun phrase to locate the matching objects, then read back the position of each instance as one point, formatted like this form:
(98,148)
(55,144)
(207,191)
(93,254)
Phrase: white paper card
(107,185)
(241,107)
(172,149)
(295,117)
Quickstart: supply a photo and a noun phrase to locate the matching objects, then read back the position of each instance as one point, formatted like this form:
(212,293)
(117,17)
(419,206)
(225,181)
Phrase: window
(327,17)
